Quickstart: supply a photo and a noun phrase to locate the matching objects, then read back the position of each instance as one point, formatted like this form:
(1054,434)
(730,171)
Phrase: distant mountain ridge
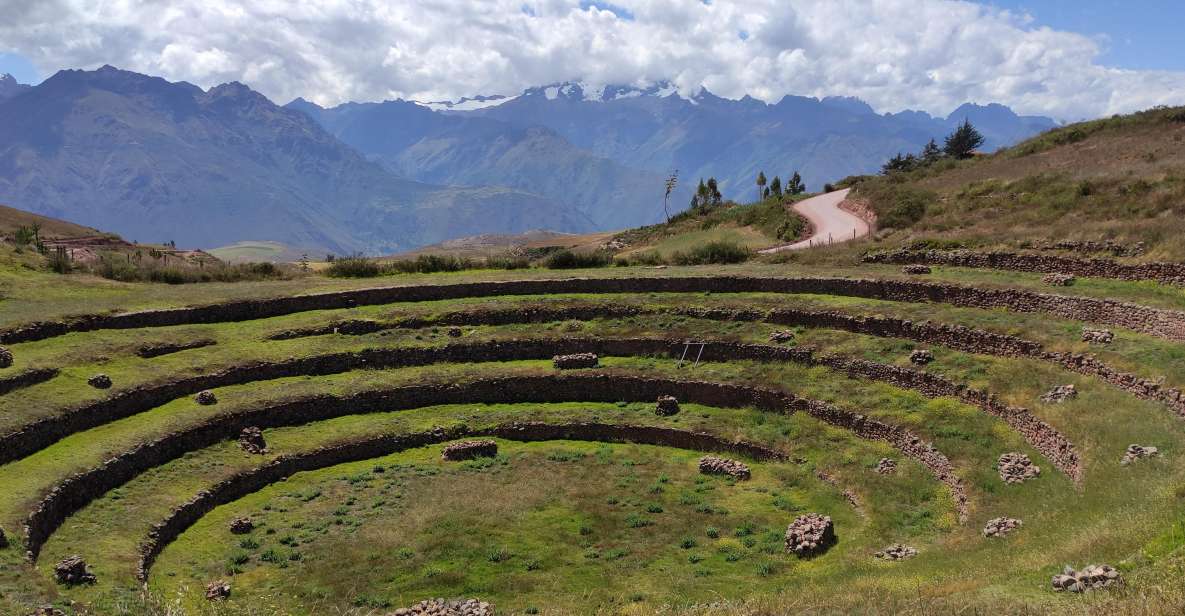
(154,160)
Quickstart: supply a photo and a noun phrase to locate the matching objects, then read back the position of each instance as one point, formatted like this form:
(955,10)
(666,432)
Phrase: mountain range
(156,160)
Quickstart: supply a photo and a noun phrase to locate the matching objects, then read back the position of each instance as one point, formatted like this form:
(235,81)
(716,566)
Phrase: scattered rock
(47,610)
(886,466)
(242,526)
(1058,280)
(1090,577)
(1097,336)
(1016,467)
(217,591)
(897,552)
(99,381)
(810,533)
(577,360)
(782,335)
(712,465)
(5,357)
(454,332)
(251,440)
(73,571)
(440,607)
(468,450)
(205,398)
(999,527)
(921,357)
(1059,394)
(666,406)
(1138,452)
(916,269)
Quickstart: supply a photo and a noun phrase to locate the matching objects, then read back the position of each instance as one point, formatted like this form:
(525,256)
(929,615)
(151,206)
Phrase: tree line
(959,145)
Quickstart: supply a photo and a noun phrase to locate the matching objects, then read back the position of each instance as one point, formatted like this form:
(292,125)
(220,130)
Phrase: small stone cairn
(73,571)
(1059,394)
(99,381)
(5,358)
(251,440)
(666,406)
(205,398)
(782,335)
(454,332)
(712,465)
(916,269)
(217,591)
(1058,280)
(440,607)
(241,526)
(921,357)
(468,450)
(574,361)
(810,533)
(886,466)
(1016,467)
(1097,336)
(897,551)
(1090,577)
(1138,452)
(999,527)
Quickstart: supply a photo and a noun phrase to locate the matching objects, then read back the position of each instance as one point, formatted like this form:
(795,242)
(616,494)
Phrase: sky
(1067,59)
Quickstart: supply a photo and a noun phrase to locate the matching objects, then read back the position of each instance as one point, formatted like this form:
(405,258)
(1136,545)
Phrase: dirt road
(831,224)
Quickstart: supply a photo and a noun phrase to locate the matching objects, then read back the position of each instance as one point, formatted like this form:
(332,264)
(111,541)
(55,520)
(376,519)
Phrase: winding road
(831,224)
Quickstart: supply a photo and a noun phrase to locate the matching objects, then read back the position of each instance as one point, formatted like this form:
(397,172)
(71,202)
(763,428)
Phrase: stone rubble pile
(1059,394)
(576,360)
(999,527)
(916,269)
(1058,280)
(1138,452)
(666,406)
(886,466)
(217,591)
(1097,336)
(440,607)
(468,450)
(205,398)
(251,440)
(73,571)
(47,610)
(5,358)
(1016,467)
(454,332)
(921,357)
(897,552)
(241,526)
(1090,577)
(810,533)
(782,335)
(99,381)
(712,465)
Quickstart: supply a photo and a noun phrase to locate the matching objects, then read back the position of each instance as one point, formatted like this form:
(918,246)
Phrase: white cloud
(895,54)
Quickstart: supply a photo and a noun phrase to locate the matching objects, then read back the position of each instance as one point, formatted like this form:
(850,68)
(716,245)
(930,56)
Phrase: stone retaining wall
(248,482)
(78,490)
(1169,324)
(1046,439)
(166,348)
(1159,271)
(25,379)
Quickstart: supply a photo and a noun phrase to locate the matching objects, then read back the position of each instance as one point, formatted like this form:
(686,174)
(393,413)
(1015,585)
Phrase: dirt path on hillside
(831,224)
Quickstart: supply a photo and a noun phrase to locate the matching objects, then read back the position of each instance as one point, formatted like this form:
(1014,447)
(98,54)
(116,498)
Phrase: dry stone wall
(166,348)
(1169,324)
(1159,271)
(28,378)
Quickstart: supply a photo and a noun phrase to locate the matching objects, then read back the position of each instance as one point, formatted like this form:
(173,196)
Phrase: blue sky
(933,55)
(1139,34)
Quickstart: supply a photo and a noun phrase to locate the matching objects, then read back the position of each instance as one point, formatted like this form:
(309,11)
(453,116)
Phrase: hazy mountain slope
(428,146)
(154,160)
(10,88)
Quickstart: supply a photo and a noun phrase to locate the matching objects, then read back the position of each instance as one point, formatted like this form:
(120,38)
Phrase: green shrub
(908,208)
(720,252)
(353,267)
(566,259)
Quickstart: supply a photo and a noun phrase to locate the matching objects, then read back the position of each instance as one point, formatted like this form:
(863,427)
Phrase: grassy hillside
(1120,178)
